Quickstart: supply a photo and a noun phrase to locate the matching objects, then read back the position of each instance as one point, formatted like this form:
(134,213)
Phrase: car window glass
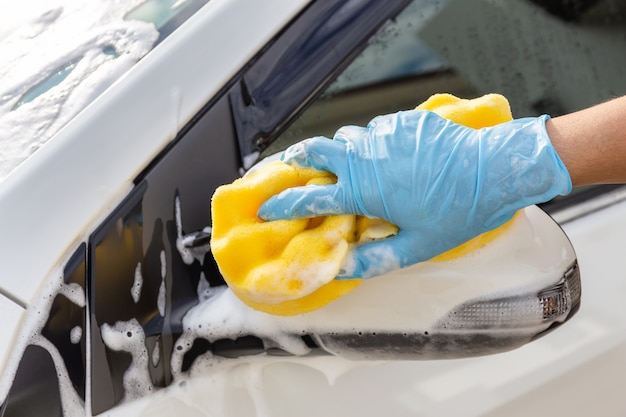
(545,56)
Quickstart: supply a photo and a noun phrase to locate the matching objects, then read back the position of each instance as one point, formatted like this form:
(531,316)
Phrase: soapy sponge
(287,267)
(284,267)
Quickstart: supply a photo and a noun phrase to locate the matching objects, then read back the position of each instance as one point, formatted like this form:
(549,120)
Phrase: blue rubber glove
(440,182)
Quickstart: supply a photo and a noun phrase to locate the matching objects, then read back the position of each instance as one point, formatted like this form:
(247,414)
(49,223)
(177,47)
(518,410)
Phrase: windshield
(60,56)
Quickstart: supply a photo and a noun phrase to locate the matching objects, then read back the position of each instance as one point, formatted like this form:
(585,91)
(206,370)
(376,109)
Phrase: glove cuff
(562,177)
(519,168)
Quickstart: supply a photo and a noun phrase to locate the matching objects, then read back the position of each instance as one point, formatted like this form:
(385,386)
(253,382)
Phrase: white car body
(51,204)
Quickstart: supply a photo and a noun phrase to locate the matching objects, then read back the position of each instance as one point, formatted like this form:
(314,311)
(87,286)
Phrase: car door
(134,285)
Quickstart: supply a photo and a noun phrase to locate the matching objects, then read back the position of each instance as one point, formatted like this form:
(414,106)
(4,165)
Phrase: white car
(113,306)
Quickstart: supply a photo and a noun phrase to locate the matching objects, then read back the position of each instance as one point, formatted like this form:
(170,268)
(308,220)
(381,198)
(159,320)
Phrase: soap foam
(75,334)
(161,299)
(31,334)
(224,316)
(128,336)
(135,290)
(78,34)
(71,403)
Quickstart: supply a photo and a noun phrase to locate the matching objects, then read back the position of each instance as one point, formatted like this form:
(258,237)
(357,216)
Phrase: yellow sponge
(287,267)
(484,111)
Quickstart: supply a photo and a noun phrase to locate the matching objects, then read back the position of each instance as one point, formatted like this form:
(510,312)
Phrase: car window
(550,57)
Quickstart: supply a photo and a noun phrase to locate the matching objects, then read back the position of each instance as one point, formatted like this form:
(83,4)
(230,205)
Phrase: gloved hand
(440,182)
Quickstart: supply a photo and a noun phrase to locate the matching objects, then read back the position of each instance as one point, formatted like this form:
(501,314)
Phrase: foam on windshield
(57,64)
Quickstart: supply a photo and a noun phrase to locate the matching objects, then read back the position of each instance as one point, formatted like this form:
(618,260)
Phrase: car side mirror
(515,288)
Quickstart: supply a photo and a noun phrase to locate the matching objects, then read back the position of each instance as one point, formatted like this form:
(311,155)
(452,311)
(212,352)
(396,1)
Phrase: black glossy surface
(35,389)
(300,64)
(63,317)
(142,233)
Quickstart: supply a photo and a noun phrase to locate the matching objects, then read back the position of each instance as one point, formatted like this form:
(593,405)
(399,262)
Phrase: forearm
(592,143)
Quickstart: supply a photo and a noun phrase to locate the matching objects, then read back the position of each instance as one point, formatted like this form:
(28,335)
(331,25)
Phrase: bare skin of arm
(592,143)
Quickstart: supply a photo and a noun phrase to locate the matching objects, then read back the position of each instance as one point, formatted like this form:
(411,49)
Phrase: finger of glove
(372,259)
(319,153)
(353,136)
(303,202)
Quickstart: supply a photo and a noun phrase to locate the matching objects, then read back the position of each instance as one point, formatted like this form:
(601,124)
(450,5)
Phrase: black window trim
(249,89)
(337,31)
